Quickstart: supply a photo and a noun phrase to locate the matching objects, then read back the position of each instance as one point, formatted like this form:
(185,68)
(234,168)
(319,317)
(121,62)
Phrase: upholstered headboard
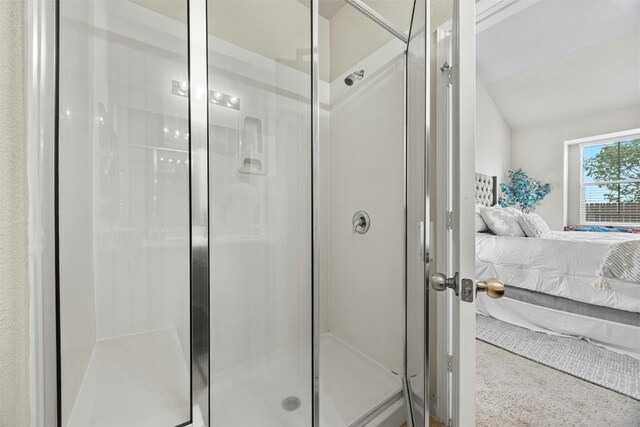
(486,190)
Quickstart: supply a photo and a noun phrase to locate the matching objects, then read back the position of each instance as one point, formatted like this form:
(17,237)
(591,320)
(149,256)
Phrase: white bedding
(565,264)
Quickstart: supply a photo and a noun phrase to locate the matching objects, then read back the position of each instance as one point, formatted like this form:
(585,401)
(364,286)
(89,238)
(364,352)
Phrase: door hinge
(449,220)
(450,362)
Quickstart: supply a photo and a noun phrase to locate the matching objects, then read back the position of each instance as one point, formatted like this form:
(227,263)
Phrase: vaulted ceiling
(554,61)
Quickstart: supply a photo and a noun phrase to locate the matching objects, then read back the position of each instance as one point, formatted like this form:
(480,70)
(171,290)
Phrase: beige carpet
(512,391)
(579,358)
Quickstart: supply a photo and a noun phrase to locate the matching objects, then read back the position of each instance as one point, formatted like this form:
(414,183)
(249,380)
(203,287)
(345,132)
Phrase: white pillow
(513,211)
(502,222)
(534,225)
(481,226)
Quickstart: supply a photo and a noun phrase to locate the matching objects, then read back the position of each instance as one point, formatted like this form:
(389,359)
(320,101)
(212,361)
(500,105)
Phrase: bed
(553,284)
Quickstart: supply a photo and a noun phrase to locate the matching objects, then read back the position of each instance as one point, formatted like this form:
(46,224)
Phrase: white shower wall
(260,224)
(141,191)
(365,280)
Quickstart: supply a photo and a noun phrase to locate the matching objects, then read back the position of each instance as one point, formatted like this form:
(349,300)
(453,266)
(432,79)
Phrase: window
(610,181)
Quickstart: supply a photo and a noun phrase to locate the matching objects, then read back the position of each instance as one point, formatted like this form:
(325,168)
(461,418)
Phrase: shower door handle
(421,248)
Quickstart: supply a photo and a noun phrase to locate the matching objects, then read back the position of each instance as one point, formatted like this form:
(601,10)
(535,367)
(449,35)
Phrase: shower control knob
(361,222)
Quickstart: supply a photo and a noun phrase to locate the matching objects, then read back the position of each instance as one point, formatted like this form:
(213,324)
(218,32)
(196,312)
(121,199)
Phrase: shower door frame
(315,216)
(42,83)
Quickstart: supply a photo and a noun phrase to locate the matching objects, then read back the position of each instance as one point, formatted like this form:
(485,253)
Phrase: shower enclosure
(241,213)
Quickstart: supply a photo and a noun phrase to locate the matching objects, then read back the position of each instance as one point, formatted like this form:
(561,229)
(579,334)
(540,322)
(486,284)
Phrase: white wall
(493,137)
(365,306)
(14,287)
(540,152)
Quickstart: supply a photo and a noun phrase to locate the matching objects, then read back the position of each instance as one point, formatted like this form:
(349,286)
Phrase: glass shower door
(123,214)
(417,310)
(260,115)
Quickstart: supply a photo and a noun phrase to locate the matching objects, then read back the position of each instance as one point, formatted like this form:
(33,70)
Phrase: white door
(462,176)
(455,223)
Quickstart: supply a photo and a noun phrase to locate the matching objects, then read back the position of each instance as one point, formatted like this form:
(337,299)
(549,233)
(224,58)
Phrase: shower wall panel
(260,222)
(366,172)
(143,180)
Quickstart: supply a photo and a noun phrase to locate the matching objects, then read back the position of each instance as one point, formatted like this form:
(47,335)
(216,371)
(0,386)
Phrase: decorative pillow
(513,211)
(502,222)
(481,226)
(534,225)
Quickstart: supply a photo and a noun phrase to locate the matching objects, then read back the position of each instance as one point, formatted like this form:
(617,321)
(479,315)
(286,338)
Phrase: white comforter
(566,264)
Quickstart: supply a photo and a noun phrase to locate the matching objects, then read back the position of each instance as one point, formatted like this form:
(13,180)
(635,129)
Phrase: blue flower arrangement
(522,192)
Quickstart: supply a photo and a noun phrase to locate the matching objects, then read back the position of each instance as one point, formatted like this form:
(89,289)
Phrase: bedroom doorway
(537,139)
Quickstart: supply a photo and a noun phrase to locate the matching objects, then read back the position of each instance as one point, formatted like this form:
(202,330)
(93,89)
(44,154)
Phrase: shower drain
(290,403)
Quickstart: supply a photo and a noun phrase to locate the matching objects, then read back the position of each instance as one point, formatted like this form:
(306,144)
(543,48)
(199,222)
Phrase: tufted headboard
(486,190)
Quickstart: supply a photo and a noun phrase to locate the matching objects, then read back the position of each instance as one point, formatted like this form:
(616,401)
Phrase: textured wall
(14,292)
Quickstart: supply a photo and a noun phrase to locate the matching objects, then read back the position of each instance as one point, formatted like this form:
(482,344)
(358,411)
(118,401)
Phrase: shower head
(353,77)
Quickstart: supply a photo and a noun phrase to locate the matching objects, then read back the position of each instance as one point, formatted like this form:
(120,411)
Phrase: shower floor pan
(123,386)
(134,380)
(257,394)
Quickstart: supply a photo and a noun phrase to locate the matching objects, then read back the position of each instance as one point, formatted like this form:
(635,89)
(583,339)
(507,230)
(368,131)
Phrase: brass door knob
(493,287)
